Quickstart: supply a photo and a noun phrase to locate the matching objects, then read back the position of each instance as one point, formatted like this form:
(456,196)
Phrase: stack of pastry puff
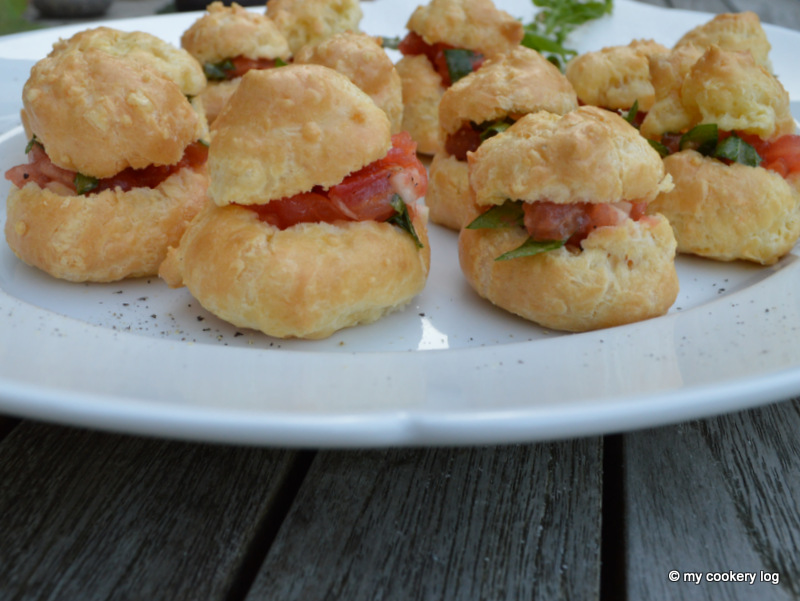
(447,39)
(116,159)
(307,233)
(565,241)
(724,121)
(479,106)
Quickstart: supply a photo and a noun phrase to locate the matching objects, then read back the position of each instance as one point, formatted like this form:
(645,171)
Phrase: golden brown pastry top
(726,88)
(616,76)
(99,114)
(175,63)
(587,155)
(515,83)
(362,59)
(309,21)
(289,129)
(229,31)
(472,24)
(737,32)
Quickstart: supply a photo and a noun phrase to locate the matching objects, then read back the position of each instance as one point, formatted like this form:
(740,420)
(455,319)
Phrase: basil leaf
(508,214)
(34,141)
(493,128)
(633,112)
(703,138)
(217,71)
(460,62)
(735,149)
(279,62)
(552,25)
(402,219)
(530,248)
(392,43)
(84,183)
(660,148)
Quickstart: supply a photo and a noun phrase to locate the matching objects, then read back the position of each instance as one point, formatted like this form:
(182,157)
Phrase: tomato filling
(545,220)
(781,155)
(41,170)
(242,65)
(466,139)
(363,195)
(413,44)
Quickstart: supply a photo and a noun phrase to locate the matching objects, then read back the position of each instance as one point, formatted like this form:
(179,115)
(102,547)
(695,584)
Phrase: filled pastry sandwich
(564,240)
(479,106)
(228,41)
(307,232)
(725,124)
(446,40)
(115,171)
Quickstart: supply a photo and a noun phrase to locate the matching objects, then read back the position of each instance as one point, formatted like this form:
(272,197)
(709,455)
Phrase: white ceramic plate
(138,357)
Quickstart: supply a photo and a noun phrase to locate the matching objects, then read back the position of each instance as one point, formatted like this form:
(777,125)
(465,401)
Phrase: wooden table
(87,515)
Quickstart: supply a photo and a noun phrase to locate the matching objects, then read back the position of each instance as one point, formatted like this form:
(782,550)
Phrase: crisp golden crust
(729,212)
(106,236)
(587,155)
(310,21)
(287,130)
(623,274)
(448,197)
(98,114)
(471,24)
(225,32)
(216,96)
(362,59)
(725,88)
(176,63)
(422,92)
(306,281)
(737,32)
(518,82)
(616,77)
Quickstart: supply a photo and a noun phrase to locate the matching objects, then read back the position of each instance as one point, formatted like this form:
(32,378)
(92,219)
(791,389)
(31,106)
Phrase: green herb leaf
(508,214)
(548,32)
(460,62)
(217,71)
(392,43)
(660,148)
(84,183)
(630,117)
(703,138)
(530,248)
(492,128)
(735,149)
(279,62)
(402,219)
(34,141)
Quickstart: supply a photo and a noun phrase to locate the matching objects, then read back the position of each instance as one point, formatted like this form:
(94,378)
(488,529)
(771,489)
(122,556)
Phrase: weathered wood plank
(90,516)
(484,523)
(714,496)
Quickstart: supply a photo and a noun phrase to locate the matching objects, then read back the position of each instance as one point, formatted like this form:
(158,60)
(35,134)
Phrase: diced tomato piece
(363,195)
(467,139)
(242,64)
(302,208)
(545,220)
(781,155)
